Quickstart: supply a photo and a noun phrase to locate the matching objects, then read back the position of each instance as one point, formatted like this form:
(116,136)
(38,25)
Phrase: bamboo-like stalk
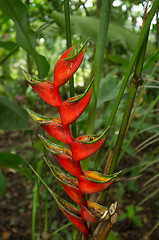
(45,174)
(99,59)
(141,40)
(126,116)
(69,44)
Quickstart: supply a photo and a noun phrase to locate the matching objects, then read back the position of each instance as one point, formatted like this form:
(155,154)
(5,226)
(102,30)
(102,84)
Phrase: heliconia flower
(71,212)
(53,127)
(64,157)
(68,64)
(44,89)
(69,183)
(94,212)
(92,182)
(84,146)
(72,108)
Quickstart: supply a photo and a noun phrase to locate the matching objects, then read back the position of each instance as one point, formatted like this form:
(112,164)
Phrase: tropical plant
(87,182)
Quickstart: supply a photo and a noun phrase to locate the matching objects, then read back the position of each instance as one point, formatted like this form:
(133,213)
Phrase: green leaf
(130,211)
(151,195)
(25,37)
(130,150)
(107,83)
(9,160)
(137,220)
(87,27)
(151,61)
(8,45)
(122,216)
(113,236)
(118,60)
(14,161)
(2,184)
(12,116)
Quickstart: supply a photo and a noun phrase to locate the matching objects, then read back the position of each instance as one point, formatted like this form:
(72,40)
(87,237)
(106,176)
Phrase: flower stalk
(143,36)
(69,44)
(99,59)
(135,81)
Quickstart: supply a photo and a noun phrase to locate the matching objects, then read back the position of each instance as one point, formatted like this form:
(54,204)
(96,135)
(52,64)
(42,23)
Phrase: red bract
(73,214)
(92,182)
(64,157)
(53,126)
(45,90)
(84,146)
(67,65)
(70,184)
(94,212)
(72,108)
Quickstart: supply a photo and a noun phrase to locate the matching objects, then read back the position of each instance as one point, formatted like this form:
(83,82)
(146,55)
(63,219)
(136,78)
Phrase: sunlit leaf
(88,27)
(26,38)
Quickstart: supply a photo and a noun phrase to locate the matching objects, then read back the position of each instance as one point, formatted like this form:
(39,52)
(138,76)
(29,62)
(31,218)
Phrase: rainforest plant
(80,182)
(76,149)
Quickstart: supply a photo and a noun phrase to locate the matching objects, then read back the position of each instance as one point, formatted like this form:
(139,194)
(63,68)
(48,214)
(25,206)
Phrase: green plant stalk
(137,129)
(34,210)
(35,193)
(69,44)
(45,176)
(36,203)
(132,94)
(59,229)
(99,59)
(141,40)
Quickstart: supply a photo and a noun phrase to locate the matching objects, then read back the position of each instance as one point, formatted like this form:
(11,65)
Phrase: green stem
(34,209)
(99,59)
(33,151)
(69,44)
(132,94)
(141,40)
(45,176)
(35,190)
(60,229)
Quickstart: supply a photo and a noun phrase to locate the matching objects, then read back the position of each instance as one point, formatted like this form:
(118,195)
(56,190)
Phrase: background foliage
(33,37)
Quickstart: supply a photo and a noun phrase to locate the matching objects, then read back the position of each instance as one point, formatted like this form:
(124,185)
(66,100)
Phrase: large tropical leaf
(14,161)
(25,37)
(12,116)
(87,27)
(8,45)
